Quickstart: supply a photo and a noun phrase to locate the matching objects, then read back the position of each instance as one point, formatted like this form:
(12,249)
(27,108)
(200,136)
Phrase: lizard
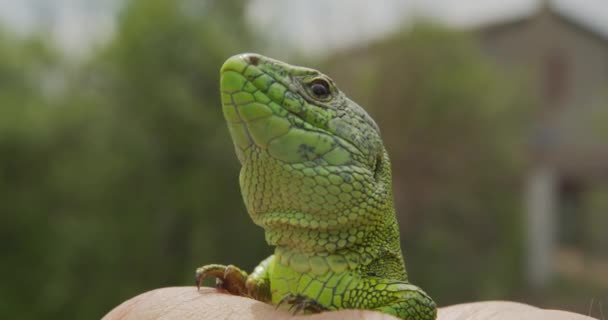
(316,177)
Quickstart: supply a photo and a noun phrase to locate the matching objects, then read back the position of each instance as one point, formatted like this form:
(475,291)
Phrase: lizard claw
(198,280)
(229,278)
(206,271)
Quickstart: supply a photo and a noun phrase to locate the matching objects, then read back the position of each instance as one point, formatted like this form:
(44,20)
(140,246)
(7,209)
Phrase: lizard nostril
(253,60)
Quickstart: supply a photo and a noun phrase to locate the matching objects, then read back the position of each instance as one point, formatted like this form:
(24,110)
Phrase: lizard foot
(229,278)
(301,303)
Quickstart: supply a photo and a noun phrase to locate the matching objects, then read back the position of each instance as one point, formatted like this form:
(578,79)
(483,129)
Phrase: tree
(123,178)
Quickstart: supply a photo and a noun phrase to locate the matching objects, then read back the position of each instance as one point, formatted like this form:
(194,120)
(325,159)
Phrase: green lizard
(316,176)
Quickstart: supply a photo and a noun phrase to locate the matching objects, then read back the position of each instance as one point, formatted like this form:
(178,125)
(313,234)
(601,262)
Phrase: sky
(317,25)
(312,26)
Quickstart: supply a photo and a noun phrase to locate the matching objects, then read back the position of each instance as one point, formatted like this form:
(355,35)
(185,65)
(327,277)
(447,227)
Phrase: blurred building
(567,62)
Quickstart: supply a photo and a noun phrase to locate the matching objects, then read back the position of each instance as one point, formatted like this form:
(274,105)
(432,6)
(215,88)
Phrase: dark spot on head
(254,60)
(307,151)
(346,177)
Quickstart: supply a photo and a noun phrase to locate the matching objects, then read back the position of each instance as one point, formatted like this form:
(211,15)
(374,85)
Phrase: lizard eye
(320,88)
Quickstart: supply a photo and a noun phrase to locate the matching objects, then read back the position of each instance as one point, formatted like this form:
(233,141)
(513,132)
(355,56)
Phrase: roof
(549,7)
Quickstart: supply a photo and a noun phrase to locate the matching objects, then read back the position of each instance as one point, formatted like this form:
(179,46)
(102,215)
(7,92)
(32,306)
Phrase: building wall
(528,47)
(567,66)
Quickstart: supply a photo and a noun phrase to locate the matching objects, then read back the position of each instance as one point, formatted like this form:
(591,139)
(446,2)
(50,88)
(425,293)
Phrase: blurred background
(117,174)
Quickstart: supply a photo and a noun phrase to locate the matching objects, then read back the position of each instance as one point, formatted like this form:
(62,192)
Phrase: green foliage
(23,144)
(454,129)
(123,179)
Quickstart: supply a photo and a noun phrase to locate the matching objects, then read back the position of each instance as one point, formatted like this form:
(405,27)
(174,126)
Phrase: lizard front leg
(238,282)
(258,282)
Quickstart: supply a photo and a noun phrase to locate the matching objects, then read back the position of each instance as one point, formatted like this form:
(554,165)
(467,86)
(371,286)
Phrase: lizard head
(312,159)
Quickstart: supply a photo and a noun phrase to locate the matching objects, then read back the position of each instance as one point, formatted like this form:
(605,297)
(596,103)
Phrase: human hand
(188,304)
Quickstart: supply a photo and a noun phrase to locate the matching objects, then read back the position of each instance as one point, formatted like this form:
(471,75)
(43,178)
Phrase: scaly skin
(316,176)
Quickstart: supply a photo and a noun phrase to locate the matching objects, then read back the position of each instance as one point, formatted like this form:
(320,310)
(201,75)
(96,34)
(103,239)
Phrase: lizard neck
(296,232)
(380,251)
(361,252)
